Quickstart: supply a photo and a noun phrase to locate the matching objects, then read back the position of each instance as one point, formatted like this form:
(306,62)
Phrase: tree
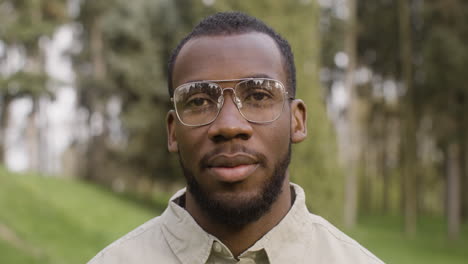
(22,25)
(122,84)
(353,155)
(410,172)
(444,86)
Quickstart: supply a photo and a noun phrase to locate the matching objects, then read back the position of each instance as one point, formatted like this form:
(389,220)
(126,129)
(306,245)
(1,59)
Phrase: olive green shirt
(175,237)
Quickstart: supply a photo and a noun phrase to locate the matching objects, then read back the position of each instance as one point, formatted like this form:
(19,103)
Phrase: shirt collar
(285,237)
(186,238)
(190,242)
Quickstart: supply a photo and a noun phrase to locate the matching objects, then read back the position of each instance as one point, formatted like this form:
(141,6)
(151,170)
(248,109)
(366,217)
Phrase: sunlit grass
(383,236)
(62,221)
(10,254)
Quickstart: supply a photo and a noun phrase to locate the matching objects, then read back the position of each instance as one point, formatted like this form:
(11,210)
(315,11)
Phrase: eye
(198,101)
(258,95)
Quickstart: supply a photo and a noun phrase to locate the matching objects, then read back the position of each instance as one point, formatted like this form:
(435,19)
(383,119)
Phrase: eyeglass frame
(235,98)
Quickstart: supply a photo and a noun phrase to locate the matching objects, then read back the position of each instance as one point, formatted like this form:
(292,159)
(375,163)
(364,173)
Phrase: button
(217,247)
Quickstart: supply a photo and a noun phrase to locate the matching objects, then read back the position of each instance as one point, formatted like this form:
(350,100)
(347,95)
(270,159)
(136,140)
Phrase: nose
(230,123)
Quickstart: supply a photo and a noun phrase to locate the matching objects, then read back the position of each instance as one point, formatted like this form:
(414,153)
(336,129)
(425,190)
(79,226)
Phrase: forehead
(228,57)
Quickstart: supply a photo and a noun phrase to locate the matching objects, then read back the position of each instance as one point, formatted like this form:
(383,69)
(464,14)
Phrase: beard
(244,211)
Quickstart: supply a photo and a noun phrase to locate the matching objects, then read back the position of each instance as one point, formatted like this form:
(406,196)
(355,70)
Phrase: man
(232,82)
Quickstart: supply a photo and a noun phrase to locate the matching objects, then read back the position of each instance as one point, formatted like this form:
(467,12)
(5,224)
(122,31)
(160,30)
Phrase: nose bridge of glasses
(234,97)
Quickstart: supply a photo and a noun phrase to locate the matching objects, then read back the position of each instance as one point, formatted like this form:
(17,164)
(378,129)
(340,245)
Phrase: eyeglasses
(259,100)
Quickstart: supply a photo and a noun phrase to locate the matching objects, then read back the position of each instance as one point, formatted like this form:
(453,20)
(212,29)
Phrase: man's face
(232,164)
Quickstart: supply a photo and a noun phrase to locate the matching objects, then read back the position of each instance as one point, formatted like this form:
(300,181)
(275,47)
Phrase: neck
(240,239)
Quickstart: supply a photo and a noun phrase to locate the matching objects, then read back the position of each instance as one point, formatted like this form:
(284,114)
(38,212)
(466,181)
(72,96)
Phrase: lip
(232,168)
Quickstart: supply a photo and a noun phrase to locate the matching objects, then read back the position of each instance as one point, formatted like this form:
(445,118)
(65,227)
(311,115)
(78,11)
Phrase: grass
(49,220)
(383,236)
(11,254)
(46,220)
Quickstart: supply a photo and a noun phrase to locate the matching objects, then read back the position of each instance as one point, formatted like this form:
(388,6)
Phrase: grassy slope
(383,236)
(61,221)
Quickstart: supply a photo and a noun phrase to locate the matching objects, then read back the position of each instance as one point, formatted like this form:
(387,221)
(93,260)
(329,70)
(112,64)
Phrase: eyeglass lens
(258,100)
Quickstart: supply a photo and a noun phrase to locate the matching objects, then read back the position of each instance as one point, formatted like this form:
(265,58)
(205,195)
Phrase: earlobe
(298,121)
(171,135)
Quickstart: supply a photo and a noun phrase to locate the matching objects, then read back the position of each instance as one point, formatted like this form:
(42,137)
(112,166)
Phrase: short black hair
(231,23)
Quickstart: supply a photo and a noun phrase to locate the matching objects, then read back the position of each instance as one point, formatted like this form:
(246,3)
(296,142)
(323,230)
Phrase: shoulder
(142,245)
(341,248)
(317,240)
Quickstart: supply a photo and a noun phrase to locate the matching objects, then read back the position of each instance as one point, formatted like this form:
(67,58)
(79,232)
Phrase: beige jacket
(175,237)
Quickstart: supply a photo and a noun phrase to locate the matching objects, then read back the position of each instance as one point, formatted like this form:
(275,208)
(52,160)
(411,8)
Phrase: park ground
(47,220)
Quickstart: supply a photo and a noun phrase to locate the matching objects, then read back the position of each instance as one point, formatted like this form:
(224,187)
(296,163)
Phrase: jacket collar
(191,244)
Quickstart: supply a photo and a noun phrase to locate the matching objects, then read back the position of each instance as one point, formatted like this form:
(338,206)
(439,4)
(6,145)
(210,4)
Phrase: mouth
(232,168)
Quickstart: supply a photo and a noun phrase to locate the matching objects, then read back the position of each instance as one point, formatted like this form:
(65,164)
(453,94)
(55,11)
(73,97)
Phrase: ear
(298,121)
(171,135)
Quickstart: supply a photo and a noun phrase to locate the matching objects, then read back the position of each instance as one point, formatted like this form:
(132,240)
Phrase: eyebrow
(260,75)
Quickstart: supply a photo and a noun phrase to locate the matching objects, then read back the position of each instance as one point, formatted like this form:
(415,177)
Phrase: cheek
(276,139)
(189,143)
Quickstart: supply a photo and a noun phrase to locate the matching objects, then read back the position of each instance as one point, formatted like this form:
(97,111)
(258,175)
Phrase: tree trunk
(464,181)
(409,133)
(365,172)
(351,180)
(97,147)
(385,173)
(33,136)
(97,50)
(463,139)
(36,65)
(453,190)
(4,120)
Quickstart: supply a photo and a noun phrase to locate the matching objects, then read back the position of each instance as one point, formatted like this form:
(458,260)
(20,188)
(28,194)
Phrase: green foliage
(408,132)
(25,21)
(378,46)
(443,72)
(62,221)
(22,25)
(126,47)
(24,84)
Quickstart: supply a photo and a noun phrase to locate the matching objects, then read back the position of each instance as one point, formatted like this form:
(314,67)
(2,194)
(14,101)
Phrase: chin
(237,198)
(237,207)
(237,204)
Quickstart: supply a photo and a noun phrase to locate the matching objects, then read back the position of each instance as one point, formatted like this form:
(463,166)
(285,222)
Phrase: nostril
(243,136)
(218,138)
(222,138)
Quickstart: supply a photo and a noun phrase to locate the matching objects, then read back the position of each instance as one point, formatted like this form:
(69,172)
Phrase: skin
(231,57)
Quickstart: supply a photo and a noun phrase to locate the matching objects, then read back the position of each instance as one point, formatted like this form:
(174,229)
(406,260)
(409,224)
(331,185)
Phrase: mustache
(232,149)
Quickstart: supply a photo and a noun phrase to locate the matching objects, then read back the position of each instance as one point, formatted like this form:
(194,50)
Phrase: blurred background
(83,99)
